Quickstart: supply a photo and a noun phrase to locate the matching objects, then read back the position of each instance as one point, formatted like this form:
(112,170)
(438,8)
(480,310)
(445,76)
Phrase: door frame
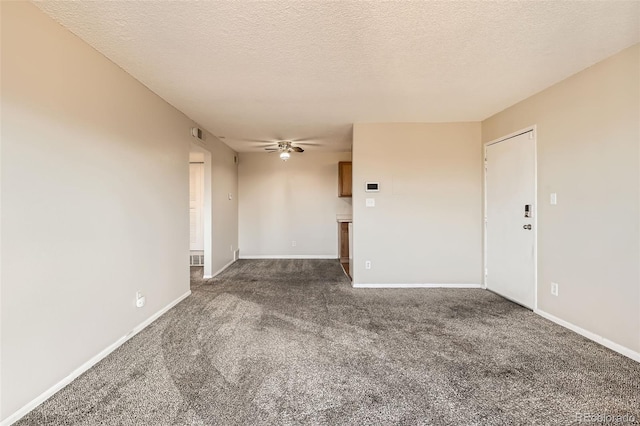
(207,210)
(533,129)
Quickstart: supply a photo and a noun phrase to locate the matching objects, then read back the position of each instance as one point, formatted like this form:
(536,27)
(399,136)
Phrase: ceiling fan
(285,148)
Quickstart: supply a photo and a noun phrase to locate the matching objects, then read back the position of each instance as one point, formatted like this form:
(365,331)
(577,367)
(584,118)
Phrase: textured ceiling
(292,69)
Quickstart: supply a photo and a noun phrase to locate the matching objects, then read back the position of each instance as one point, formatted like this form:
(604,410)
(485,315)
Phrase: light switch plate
(553,198)
(370,202)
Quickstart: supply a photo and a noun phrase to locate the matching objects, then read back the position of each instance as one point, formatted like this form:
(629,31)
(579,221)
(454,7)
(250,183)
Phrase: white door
(510,234)
(196,206)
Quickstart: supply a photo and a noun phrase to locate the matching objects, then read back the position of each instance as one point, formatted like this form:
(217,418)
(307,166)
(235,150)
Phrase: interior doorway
(200,224)
(510,217)
(196,208)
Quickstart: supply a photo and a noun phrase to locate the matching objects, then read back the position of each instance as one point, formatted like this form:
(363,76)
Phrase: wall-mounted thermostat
(372,187)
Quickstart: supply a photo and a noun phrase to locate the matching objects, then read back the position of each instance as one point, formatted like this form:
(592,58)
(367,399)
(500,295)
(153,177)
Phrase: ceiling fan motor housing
(285,147)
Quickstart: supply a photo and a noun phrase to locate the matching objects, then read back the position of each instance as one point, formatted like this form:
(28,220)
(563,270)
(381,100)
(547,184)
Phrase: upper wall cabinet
(344,179)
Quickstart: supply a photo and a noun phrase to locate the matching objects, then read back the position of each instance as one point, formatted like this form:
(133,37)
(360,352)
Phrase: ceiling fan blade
(297,149)
(306,139)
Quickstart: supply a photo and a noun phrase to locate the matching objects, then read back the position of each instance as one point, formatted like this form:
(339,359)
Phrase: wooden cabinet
(344,179)
(345,245)
(344,242)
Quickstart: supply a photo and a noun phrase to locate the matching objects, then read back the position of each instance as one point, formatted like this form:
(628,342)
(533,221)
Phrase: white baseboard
(206,277)
(416,285)
(289,256)
(591,336)
(87,365)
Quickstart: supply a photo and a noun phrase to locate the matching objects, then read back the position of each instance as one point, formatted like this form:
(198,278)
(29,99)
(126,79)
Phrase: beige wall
(296,200)
(223,186)
(94,195)
(224,181)
(588,153)
(426,227)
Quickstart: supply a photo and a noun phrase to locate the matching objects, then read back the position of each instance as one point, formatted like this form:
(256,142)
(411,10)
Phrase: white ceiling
(293,69)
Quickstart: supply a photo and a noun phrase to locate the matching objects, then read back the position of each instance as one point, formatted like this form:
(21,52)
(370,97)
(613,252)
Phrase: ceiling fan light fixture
(284,156)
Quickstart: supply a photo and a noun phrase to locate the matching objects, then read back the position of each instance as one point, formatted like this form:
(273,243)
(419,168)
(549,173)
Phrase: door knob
(528,227)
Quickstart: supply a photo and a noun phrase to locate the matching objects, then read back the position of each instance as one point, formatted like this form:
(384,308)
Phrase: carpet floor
(290,342)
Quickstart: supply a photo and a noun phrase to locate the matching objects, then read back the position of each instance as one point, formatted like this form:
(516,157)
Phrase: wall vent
(197,133)
(196,260)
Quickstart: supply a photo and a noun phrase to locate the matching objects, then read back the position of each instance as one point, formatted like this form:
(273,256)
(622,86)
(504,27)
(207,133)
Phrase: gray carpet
(290,342)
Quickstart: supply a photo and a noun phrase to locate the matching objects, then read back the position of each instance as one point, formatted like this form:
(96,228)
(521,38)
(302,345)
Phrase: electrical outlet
(554,289)
(367,264)
(140,300)
(293,243)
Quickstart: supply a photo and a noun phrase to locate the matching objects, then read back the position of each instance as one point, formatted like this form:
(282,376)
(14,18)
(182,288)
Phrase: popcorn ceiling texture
(288,342)
(284,69)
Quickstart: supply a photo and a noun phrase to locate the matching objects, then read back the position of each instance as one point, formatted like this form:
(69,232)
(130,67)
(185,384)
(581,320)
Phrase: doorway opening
(510,218)
(200,224)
